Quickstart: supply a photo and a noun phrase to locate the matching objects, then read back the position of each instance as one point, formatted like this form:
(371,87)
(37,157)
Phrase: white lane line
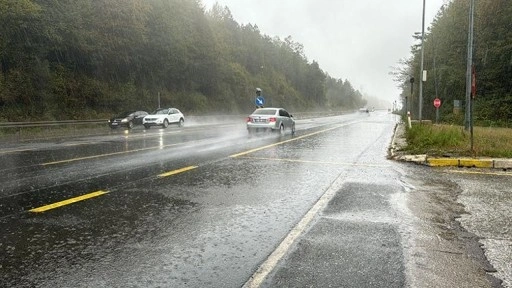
(481,173)
(315,162)
(259,276)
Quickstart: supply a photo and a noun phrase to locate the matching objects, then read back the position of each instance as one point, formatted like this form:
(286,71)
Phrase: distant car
(163,117)
(127,119)
(270,120)
(364,110)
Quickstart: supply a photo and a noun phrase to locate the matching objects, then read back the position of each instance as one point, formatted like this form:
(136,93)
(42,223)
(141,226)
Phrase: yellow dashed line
(174,172)
(98,193)
(283,142)
(68,201)
(14,151)
(92,157)
(105,155)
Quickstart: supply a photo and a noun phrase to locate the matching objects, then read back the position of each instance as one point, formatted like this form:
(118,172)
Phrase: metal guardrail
(26,131)
(50,123)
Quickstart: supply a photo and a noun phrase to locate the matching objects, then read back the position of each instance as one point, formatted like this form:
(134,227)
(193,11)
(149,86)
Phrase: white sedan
(163,117)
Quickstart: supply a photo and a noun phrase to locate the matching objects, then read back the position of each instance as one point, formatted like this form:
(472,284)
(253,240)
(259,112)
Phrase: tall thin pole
(408,104)
(421,66)
(469,64)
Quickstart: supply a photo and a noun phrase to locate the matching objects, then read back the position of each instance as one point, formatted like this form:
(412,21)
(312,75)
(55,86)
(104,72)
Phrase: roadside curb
(455,162)
(469,163)
(398,142)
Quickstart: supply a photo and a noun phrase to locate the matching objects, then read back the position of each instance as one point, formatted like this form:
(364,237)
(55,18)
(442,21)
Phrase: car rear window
(265,112)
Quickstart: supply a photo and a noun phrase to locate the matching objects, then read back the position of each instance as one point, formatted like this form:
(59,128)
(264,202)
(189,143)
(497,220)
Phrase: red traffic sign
(437,102)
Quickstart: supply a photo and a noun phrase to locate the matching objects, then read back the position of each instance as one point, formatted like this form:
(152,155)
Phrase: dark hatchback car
(127,119)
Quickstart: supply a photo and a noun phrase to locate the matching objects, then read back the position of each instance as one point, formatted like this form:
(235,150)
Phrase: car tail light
(272,119)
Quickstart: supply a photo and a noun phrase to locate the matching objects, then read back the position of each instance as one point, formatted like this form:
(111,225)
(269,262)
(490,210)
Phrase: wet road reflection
(197,207)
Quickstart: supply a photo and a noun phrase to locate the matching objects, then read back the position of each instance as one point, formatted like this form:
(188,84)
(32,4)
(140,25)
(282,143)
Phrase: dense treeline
(445,58)
(68,59)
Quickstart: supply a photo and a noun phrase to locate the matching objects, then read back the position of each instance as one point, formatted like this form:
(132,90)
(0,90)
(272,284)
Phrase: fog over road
(209,206)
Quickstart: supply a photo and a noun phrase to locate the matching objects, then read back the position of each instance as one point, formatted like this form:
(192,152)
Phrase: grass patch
(449,140)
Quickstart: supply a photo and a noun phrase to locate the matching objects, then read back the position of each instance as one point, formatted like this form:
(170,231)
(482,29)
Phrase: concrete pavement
(485,200)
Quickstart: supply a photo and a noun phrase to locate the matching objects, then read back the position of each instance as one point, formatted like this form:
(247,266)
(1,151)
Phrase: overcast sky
(358,40)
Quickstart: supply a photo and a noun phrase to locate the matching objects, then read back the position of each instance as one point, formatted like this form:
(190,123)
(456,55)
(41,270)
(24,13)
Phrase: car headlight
(124,120)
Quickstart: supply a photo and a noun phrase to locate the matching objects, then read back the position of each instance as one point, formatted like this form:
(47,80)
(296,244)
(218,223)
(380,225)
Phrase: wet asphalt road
(208,206)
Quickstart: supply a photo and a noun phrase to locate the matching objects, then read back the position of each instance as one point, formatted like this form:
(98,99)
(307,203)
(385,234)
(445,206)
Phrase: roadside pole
(422,73)
(468,125)
(408,102)
(437,103)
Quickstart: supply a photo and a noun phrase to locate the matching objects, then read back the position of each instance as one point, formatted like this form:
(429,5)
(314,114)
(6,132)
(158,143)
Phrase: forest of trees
(445,54)
(87,59)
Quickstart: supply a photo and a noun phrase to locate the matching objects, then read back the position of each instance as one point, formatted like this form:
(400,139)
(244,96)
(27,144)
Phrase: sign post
(437,104)
(259,101)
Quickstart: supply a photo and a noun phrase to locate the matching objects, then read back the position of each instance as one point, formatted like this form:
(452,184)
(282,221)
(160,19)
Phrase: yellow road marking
(174,172)
(464,162)
(478,163)
(283,142)
(80,144)
(314,162)
(90,142)
(68,201)
(125,136)
(105,155)
(14,151)
(442,162)
(482,173)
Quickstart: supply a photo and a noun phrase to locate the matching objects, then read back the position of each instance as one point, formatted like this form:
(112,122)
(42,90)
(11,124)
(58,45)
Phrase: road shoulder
(441,253)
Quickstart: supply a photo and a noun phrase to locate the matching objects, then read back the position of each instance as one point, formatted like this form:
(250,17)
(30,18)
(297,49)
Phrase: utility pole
(412,92)
(422,75)
(469,65)
(468,123)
